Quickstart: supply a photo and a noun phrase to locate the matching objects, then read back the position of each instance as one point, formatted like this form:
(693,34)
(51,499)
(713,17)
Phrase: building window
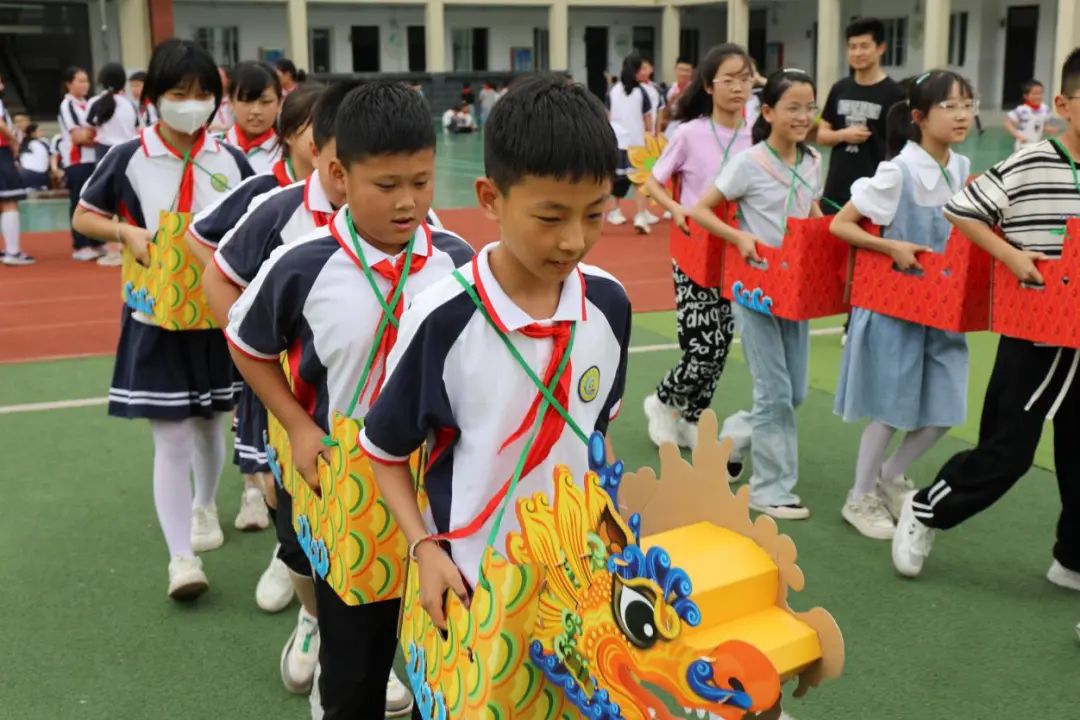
(221,42)
(689,45)
(319,44)
(417,41)
(896,42)
(541,58)
(470,48)
(958,25)
(365,48)
(644,41)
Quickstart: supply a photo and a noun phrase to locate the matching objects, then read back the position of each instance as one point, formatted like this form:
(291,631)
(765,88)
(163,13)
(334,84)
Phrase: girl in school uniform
(255,96)
(113,115)
(77,153)
(711,132)
(34,157)
(223,118)
(629,111)
(181,381)
(778,178)
(901,375)
(290,77)
(12,190)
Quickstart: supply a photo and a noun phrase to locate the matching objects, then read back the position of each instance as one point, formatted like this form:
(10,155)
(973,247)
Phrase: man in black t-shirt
(853,122)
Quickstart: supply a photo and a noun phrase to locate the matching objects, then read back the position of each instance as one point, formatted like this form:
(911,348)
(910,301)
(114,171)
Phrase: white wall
(710,22)
(791,23)
(260,25)
(507,28)
(620,23)
(340,20)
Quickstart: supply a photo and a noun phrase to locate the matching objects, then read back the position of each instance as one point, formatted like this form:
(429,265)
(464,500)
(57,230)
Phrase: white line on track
(96,402)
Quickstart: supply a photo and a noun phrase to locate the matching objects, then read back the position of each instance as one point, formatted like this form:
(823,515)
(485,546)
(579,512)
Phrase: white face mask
(185,116)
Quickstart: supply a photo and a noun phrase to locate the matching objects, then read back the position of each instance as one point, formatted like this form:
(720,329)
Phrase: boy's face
(548,225)
(1034,96)
(390,195)
(1068,107)
(863,53)
(684,72)
(135,88)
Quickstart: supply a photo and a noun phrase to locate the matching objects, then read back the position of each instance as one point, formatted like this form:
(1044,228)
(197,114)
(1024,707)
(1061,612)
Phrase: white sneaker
(111,260)
(399,701)
(663,421)
(315,698)
(667,215)
(205,529)
(16,259)
(86,254)
(1063,576)
(869,516)
(893,492)
(641,224)
(187,580)
(649,217)
(616,217)
(274,591)
(687,433)
(794,511)
(912,542)
(253,514)
(300,655)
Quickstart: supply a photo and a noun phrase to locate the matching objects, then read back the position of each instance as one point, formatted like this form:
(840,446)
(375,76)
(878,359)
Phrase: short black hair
(326,110)
(1070,74)
(866,26)
(176,62)
(298,110)
(138,76)
(547,127)
(683,60)
(1030,85)
(382,117)
(249,80)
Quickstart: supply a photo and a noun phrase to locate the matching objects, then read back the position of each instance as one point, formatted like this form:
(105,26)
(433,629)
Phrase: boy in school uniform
(314,299)
(1027,121)
(453,379)
(1030,196)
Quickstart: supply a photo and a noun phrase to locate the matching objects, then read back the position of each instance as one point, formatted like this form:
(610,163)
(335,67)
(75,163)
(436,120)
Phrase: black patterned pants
(706,327)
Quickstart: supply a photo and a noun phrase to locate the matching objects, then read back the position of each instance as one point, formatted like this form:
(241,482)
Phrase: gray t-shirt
(761,184)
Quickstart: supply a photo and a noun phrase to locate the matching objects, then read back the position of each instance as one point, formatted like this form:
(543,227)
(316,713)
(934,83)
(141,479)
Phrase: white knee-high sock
(9,228)
(912,447)
(208,459)
(872,447)
(174,445)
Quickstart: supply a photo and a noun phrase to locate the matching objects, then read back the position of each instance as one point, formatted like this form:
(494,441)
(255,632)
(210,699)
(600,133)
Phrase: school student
(1029,196)
(778,178)
(452,376)
(853,121)
(77,154)
(181,381)
(255,95)
(34,156)
(147,111)
(711,133)
(12,190)
(902,376)
(316,297)
(113,115)
(1027,121)
(629,111)
(288,75)
(684,76)
(224,117)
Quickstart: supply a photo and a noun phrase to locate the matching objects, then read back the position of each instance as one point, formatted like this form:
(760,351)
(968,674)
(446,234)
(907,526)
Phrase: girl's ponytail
(899,128)
(112,79)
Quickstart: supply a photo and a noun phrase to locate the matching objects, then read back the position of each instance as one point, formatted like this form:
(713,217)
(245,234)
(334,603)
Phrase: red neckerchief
(247,144)
(392,272)
(281,173)
(186,197)
(1034,106)
(322,219)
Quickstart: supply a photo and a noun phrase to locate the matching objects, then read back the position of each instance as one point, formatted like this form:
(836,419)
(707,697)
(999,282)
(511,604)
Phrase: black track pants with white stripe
(1028,384)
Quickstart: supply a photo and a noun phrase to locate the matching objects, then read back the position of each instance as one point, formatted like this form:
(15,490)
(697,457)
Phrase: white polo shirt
(312,300)
(73,115)
(141,177)
(213,223)
(453,382)
(122,126)
(261,156)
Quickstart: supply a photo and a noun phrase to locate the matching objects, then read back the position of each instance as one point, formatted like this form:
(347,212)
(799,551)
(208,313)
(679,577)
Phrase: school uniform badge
(589,384)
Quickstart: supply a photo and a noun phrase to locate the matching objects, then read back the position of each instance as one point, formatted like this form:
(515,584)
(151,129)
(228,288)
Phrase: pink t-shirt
(696,153)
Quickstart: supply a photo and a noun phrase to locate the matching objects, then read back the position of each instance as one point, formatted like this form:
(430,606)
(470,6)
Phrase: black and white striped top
(1030,195)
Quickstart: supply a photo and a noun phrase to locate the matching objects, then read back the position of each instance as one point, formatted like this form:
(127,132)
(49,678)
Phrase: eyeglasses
(730,83)
(957,109)
(799,110)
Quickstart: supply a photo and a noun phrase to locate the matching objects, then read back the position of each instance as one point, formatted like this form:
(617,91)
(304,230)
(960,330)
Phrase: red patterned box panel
(701,255)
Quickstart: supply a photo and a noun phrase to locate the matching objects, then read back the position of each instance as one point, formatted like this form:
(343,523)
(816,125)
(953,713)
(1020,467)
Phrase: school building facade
(996,43)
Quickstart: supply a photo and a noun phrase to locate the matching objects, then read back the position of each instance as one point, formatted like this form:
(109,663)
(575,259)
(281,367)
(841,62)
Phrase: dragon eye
(635,616)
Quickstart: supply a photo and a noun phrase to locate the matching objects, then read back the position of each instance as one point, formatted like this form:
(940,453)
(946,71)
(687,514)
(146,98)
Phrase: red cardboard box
(803,279)
(1048,314)
(701,255)
(952,293)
